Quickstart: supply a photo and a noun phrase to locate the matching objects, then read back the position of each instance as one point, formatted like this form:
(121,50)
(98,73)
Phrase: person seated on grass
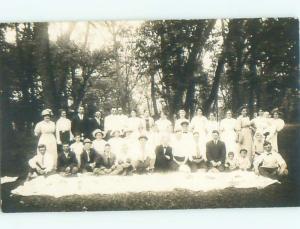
(215,153)
(243,161)
(270,163)
(143,156)
(99,142)
(197,158)
(67,163)
(41,163)
(77,148)
(164,156)
(89,158)
(180,150)
(231,163)
(109,162)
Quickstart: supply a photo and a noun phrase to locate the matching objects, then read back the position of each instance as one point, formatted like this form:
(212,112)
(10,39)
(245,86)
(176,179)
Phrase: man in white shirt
(270,163)
(147,121)
(143,156)
(41,163)
(121,120)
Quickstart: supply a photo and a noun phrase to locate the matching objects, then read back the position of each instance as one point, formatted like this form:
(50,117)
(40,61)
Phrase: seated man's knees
(75,170)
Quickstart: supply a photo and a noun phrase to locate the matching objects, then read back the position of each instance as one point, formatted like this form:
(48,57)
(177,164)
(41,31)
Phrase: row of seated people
(269,163)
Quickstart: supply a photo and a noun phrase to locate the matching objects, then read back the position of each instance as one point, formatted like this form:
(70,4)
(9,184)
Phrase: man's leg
(193,166)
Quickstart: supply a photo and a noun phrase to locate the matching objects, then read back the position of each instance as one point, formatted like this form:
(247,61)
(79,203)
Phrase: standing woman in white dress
(133,122)
(63,129)
(212,124)
(199,124)
(278,125)
(228,134)
(244,132)
(45,130)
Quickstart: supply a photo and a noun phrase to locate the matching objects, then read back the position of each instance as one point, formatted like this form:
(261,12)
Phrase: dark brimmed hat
(143,136)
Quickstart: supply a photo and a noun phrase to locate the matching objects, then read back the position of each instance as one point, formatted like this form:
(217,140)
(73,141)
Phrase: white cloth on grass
(86,184)
(7,179)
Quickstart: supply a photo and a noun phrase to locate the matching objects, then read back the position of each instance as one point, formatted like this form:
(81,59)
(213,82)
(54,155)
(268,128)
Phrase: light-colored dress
(63,124)
(77,148)
(277,126)
(46,132)
(98,146)
(244,134)
(133,123)
(211,126)
(164,125)
(228,134)
(117,147)
(199,124)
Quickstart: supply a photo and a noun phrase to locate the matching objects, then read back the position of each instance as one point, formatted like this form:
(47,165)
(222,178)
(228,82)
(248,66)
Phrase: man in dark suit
(96,122)
(66,161)
(215,153)
(164,157)
(89,158)
(80,123)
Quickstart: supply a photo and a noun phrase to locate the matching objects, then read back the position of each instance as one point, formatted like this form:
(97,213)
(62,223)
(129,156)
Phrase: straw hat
(95,132)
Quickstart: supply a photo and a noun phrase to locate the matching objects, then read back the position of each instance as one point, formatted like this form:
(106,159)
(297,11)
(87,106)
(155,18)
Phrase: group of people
(122,145)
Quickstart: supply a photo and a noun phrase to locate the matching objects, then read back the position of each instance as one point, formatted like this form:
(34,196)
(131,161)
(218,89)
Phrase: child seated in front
(77,148)
(243,161)
(230,162)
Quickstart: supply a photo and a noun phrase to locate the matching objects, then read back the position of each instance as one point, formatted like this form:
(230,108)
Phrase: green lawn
(278,195)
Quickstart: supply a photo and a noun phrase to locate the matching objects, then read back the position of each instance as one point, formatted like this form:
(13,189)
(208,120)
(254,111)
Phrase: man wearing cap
(66,161)
(270,163)
(80,123)
(143,156)
(41,163)
(89,158)
(215,153)
(99,142)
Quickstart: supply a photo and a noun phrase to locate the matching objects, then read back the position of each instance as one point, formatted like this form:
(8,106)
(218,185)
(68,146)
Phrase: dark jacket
(93,157)
(63,162)
(161,161)
(93,125)
(216,152)
(80,126)
(108,162)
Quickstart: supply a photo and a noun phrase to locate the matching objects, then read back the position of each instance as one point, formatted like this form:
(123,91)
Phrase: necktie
(147,124)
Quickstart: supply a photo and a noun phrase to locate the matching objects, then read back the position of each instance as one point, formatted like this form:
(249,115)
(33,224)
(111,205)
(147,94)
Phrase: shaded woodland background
(252,61)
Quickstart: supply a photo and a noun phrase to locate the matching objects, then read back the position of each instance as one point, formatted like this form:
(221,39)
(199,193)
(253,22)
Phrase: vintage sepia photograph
(153,114)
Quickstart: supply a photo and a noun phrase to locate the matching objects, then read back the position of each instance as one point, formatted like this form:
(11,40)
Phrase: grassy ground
(278,195)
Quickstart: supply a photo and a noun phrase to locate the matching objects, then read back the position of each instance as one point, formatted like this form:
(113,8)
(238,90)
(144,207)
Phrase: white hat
(184,122)
(46,112)
(98,131)
(114,131)
(87,141)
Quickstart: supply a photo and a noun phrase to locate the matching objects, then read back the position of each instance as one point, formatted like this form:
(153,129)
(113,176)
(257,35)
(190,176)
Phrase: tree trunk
(50,98)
